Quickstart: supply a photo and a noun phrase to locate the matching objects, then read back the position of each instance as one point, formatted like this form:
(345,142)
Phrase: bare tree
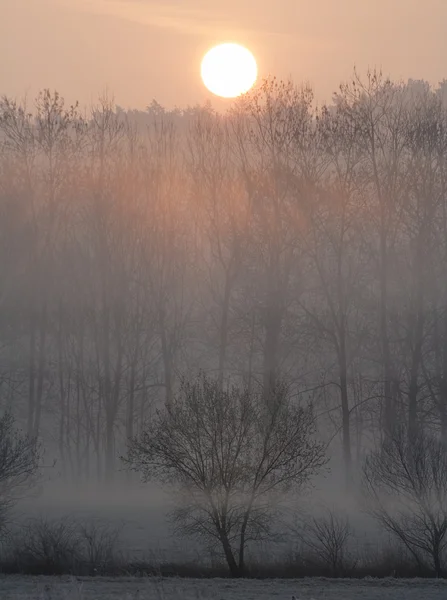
(19,459)
(231,457)
(327,538)
(333,298)
(376,109)
(271,125)
(225,211)
(406,487)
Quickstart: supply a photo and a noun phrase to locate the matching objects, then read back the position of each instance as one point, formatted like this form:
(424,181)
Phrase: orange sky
(145,49)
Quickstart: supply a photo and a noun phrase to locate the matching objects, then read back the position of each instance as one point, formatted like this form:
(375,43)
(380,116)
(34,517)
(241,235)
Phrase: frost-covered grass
(124,588)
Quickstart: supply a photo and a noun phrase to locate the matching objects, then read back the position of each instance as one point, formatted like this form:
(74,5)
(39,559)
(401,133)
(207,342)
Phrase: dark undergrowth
(70,547)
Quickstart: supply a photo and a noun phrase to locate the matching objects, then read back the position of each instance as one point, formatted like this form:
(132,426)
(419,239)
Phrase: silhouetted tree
(230,457)
(19,462)
(406,486)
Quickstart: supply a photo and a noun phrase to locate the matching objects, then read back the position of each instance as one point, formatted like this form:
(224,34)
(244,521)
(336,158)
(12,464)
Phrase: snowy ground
(64,588)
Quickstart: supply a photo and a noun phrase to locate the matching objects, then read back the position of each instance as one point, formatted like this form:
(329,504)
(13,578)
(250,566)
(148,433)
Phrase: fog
(280,243)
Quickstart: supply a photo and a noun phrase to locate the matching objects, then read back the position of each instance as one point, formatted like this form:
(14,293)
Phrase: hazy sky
(144,49)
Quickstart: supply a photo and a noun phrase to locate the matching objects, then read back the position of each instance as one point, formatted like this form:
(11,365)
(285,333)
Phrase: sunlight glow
(229,70)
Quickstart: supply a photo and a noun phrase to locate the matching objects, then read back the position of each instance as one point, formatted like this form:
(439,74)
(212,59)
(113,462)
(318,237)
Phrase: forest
(281,243)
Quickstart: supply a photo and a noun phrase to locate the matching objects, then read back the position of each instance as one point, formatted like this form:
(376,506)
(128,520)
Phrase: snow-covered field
(65,588)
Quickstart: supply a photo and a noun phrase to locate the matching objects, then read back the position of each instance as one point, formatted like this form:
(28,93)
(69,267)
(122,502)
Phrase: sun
(229,70)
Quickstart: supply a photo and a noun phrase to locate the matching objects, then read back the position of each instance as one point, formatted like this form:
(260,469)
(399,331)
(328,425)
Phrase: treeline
(280,241)
(329,547)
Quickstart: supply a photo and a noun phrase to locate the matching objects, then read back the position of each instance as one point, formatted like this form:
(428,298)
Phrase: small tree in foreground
(327,537)
(406,486)
(19,461)
(232,457)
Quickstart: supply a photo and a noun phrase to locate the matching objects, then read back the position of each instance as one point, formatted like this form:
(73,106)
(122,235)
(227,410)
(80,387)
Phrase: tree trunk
(130,403)
(31,375)
(437,558)
(417,334)
(61,394)
(223,337)
(113,404)
(110,448)
(78,431)
(347,457)
(231,561)
(251,352)
(99,469)
(412,400)
(242,539)
(130,409)
(167,358)
(389,417)
(443,382)
(271,343)
(41,370)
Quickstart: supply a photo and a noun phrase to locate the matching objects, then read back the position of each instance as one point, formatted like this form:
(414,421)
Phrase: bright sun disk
(229,70)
